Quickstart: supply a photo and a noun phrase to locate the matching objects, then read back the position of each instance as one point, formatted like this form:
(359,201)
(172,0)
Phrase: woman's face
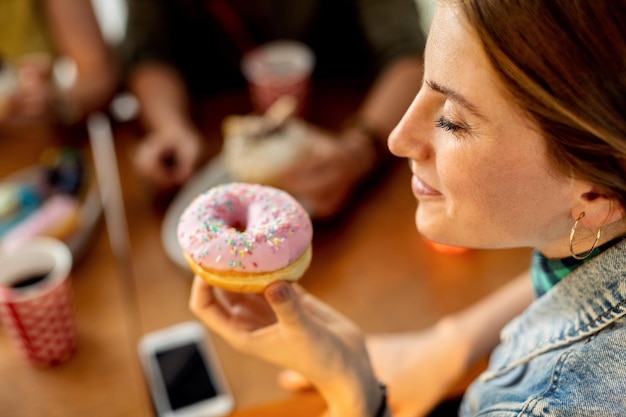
(480,168)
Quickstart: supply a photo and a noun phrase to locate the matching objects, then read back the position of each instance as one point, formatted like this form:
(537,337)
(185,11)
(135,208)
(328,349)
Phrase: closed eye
(447,125)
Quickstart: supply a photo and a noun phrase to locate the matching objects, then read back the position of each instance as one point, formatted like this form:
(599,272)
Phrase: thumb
(284,301)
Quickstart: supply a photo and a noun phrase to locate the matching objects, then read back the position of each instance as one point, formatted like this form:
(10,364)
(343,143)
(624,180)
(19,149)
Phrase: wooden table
(372,266)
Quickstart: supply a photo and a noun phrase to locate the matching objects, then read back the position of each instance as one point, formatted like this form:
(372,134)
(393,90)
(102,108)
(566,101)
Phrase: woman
(517,138)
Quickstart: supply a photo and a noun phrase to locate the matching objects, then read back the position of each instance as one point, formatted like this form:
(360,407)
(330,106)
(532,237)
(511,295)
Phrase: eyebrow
(455,96)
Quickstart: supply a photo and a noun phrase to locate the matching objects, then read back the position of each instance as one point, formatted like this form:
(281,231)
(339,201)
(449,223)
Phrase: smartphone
(183,372)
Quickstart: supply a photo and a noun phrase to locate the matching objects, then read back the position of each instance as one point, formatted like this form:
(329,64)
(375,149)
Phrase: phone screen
(185,374)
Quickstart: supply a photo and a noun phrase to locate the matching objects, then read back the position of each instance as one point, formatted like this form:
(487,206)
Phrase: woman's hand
(291,328)
(418,368)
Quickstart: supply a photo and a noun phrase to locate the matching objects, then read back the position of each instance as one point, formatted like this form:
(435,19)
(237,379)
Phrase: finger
(293,381)
(205,305)
(179,164)
(318,184)
(214,315)
(295,176)
(246,313)
(201,295)
(171,166)
(326,209)
(182,173)
(284,301)
(146,160)
(253,302)
(245,319)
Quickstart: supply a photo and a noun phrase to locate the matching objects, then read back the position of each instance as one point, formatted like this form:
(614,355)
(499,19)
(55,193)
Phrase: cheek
(504,193)
(462,165)
(485,187)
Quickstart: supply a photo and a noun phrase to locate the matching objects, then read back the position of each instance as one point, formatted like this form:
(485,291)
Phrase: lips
(421,189)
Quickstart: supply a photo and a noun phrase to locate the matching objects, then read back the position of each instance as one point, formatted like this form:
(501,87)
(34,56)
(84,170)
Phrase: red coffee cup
(36,301)
(276,69)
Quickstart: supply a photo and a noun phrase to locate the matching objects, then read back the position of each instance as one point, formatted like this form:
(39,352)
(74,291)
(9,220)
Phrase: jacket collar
(587,300)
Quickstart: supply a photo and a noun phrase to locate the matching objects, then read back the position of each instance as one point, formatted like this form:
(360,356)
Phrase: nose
(409,138)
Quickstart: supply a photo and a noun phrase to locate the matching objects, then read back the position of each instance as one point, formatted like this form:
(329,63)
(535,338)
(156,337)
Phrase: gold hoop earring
(571,240)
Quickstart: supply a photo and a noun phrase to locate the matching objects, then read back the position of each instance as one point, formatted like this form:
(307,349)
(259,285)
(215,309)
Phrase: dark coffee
(29,280)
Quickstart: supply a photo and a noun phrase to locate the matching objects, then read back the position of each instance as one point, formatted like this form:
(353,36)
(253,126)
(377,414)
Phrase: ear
(600,206)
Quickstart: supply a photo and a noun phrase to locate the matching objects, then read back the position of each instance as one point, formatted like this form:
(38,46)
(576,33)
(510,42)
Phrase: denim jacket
(566,354)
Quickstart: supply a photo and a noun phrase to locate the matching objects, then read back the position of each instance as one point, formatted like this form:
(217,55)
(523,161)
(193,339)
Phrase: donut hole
(238,219)
(239,226)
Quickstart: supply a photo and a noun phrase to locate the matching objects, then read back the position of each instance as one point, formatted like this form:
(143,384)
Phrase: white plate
(212,174)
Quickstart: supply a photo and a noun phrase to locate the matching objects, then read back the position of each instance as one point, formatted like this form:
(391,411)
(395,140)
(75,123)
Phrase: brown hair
(564,62)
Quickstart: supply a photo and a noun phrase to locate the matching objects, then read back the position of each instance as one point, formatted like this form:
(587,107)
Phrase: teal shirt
(546,272)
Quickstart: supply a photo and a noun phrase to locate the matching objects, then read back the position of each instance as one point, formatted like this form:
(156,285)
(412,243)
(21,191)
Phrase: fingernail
(277,292)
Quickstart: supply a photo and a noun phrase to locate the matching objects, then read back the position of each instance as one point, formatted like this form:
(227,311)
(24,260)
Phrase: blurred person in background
(56,65)
(178,52)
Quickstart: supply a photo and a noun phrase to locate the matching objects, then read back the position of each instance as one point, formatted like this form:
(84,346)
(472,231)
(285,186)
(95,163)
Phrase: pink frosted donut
(242,237)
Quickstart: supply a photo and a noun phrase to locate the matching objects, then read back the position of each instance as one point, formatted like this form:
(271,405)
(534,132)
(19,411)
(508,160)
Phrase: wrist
(364,398)
(360,150)
(366,144)
(383,407)
(376,137)
(451,332)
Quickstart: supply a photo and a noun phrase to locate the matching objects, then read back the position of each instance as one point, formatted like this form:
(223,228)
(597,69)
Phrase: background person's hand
(168,158)
(33,97)
(326,179)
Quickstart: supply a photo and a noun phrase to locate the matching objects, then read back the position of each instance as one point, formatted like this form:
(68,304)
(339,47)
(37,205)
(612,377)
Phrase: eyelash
(447,125)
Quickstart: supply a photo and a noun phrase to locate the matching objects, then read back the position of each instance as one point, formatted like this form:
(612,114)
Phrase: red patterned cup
(276,69)
(36,301)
